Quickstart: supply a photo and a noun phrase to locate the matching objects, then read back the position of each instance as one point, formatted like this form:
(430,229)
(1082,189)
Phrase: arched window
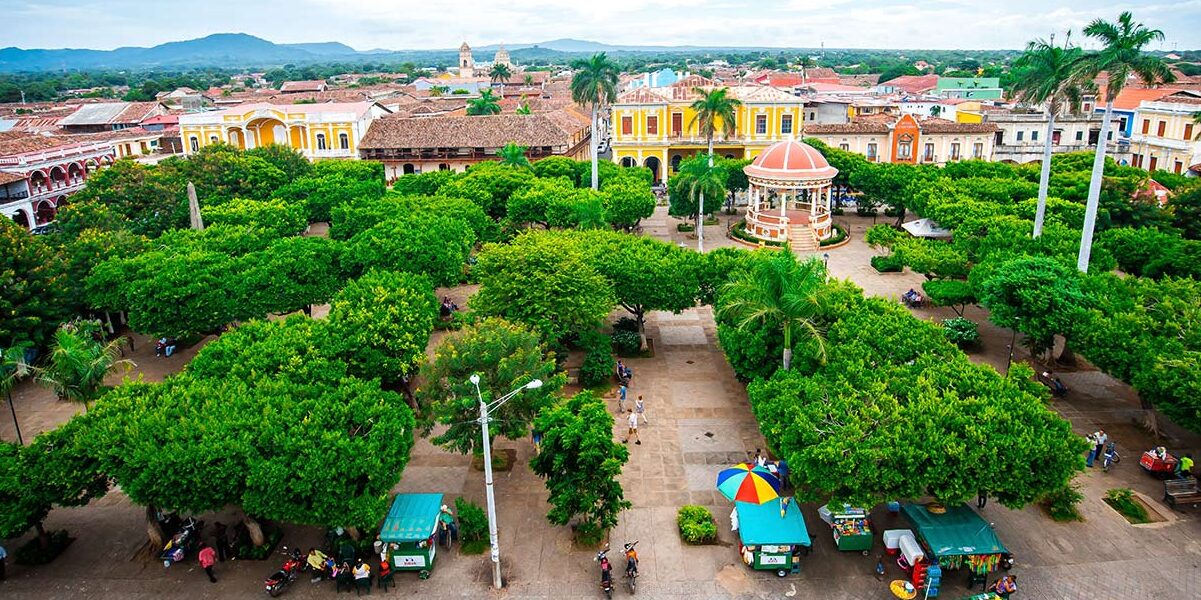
(213,139)
(343,141)
(321,141)
(443,167)
(194,143)
(408,169)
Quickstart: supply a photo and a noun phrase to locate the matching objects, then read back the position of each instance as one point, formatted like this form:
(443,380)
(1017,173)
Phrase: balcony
(331,153)
(58,188)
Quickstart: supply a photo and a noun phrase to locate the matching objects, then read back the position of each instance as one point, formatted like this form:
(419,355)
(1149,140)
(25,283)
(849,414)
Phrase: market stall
(851,526)
(955,537)
(410,531)
(772,536)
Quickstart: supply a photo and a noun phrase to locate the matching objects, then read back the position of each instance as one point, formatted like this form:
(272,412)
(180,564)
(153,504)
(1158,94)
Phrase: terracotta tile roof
(7,178)
(914,84)
(168,119)
(643,95)
(692,81)
(17,142)
(303,86)
(1129,98)
(873,126)
(492,131)
(945,126)
(859,80)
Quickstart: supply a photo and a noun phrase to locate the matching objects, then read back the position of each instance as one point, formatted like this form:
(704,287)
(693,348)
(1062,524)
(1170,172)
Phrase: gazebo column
(814,198)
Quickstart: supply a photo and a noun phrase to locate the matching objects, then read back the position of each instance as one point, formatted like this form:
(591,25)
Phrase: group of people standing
(637,411)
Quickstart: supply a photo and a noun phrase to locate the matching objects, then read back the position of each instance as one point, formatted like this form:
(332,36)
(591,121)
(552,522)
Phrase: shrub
(887,264)
(598,359)
(685,227)
(32,553)
(961,332)
(473,526)
(1060,505)
(696,524)
(739,231)
(836,237)
(627,343)
(626,324)
(1122,500)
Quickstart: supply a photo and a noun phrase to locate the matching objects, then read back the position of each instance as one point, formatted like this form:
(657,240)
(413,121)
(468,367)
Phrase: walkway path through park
(699,422)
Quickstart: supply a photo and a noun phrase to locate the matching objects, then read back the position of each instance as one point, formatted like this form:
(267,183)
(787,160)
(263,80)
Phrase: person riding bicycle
(631,560)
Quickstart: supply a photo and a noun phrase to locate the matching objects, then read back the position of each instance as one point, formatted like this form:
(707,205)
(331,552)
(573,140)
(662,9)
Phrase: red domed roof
(792,161)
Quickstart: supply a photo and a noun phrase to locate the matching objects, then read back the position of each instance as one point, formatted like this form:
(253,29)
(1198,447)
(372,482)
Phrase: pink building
(38,173)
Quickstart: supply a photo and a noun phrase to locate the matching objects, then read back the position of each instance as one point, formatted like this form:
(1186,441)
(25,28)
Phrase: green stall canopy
(957,532)
(412,518)
(761,524)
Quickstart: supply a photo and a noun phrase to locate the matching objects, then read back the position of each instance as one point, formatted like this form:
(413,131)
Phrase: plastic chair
(344,580)
(361,585)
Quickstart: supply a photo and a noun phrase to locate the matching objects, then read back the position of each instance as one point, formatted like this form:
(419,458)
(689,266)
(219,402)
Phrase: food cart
(852,528)
(955,537)
(410,531)
(772,536)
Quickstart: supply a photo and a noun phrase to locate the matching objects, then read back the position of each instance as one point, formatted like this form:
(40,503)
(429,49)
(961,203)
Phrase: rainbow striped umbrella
(748,483)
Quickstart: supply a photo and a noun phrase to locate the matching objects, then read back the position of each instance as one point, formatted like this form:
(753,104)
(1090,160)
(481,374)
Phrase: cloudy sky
(413,24)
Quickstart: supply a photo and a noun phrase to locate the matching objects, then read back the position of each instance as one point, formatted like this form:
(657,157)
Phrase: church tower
(466,62)
(502,57)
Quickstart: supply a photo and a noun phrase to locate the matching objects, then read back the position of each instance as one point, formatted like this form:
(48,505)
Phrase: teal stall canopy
(761,524)
(957,532)
(412,518)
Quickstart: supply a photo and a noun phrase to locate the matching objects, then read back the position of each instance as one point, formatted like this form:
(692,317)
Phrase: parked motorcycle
(185,540)
(632,566)
(279,581)
(1111,457)
(606,572)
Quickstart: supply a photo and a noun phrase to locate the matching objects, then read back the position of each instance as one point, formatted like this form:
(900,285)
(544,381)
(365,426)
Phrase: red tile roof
(7,178)
(914,84)
(1129,98)
(303,86)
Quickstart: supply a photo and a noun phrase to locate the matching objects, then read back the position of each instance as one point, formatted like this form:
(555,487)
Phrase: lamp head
(533,385)
(475,379)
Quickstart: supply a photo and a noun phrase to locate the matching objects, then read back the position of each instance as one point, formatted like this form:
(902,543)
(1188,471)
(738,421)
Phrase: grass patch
(502,460)
(473,547)
(1123,501)
(685,227)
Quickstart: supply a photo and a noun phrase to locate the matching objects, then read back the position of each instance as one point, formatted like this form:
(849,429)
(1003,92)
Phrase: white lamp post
(485,410)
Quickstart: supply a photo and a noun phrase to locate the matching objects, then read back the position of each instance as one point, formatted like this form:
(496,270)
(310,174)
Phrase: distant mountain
(325,48)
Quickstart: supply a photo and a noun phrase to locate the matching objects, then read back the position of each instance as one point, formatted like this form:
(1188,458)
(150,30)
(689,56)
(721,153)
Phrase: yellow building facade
(655,128)
(330,130)
(1165,135)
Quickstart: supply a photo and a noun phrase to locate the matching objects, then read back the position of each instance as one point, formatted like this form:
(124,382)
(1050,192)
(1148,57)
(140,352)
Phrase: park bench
(1182,493)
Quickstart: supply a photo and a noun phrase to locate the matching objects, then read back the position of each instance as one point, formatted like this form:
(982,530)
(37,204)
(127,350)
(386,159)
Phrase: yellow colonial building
(653,126)
(1166,136)
(330,130)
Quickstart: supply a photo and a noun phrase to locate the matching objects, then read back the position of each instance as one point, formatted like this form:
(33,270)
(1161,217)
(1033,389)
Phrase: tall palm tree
(528,80)
(1197,121)
(77,364)
(1121,56)
(438,90)
(486,104)
(513,155)
(594,85)
(712,109)
(500,74)
(778,292)
(699,179)
(13,368)
(1051,78)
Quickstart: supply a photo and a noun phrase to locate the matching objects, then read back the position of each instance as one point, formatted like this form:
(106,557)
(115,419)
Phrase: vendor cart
(1159,466)
(772,536)
(410,531)
(955,537)
(852,529)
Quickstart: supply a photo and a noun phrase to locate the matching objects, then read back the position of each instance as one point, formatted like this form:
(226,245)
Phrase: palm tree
(486,104)
(713,107)
(528,80)
(513,155)
(1197,121)
(935,111)
(1121,55)
(524,109)
(500,74)
(438,90)
(594,85)
(699,179)
(778,292)
(13,368)
(1050,78)
(77,364)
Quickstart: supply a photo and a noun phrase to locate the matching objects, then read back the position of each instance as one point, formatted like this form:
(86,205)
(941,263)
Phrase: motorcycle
(279,581)
(606,572)
(632,566)
(1111,457)
(185,540)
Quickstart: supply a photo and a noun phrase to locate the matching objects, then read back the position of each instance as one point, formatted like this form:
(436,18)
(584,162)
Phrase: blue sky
(404,24)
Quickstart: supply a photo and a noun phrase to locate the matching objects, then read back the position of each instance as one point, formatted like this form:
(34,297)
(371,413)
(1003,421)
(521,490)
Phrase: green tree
(32,277)
(1037,296)
(513,155)
(580,462)
(294,274)
(697,188)
(778,293)
(627,202)
(506,356)
(381,324)
(291,162)
(1121,55)
(544,281)
(434,245)
(714,109)
(1186,211)
(77,363)
(500,73)
(13,368)
(1049,76)
(275,216)
(486,104)
(148,199)
(594,84)
(545,202)
(954,293)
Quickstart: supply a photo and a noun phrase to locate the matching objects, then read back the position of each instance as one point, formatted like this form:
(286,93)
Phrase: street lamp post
(485,410)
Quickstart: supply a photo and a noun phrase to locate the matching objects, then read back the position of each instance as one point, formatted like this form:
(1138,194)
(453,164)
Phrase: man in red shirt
(207,557)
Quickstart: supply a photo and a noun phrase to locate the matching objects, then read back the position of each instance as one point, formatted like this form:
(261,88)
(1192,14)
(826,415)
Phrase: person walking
(1100,438)
(640,410)
(221,540)
(633,431)
(207,558)
(1092,449)
(3,558)
(981,499)
(621,399)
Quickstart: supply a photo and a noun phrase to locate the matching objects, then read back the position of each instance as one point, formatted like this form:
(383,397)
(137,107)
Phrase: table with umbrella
(772,534)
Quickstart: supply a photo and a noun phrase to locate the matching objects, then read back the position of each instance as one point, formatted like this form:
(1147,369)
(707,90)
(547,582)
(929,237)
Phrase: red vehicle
(1161,465)
(279,581)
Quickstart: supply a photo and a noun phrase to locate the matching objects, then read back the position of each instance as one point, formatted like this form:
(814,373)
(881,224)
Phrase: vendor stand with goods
(955,537)
(1159,463)
(852,528)
(772,536)
(410,531)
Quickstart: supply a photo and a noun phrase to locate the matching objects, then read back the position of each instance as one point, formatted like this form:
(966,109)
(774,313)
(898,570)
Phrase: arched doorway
(38,182)
(44,212)
(75,173)
(236,138)
(21,218)
(268,131)
(408,169)
(656,166)
(58,176)
(675,163)
(628,162)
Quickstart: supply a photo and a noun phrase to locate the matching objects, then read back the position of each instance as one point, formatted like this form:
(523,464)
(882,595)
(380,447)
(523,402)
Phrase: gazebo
(790,189)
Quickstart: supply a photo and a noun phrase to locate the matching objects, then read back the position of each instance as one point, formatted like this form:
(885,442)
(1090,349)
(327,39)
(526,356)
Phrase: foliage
(291,162)
(488,184)
(714,109)
(695,179)
(627,343)
(32,277)
(147,199)
(594,84)
(1122,500)
(434,245)
(696,524)
(330,187)
(961,332)
(77,363)
(546,202)
(1037,296)
(1062,504)
(52,471)
(513,155)
(580,462)
(473,526)
(553,167)
(598,363)
(275,216)
(887,264)
(297,349)
(954,293)
(627,201)
(506,356)
(294,273)
(89,248)
(487,104)
(1186,211)
(423,184)
(1136,248)
(381,323)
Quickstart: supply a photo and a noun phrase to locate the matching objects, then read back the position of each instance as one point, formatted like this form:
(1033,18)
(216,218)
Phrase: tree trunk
(595,150)
(43,537)
(353,532)
(640,315)
(901,217)
(1044,179)
(254,530)
(787,358)
(154,531)
(1094,192)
